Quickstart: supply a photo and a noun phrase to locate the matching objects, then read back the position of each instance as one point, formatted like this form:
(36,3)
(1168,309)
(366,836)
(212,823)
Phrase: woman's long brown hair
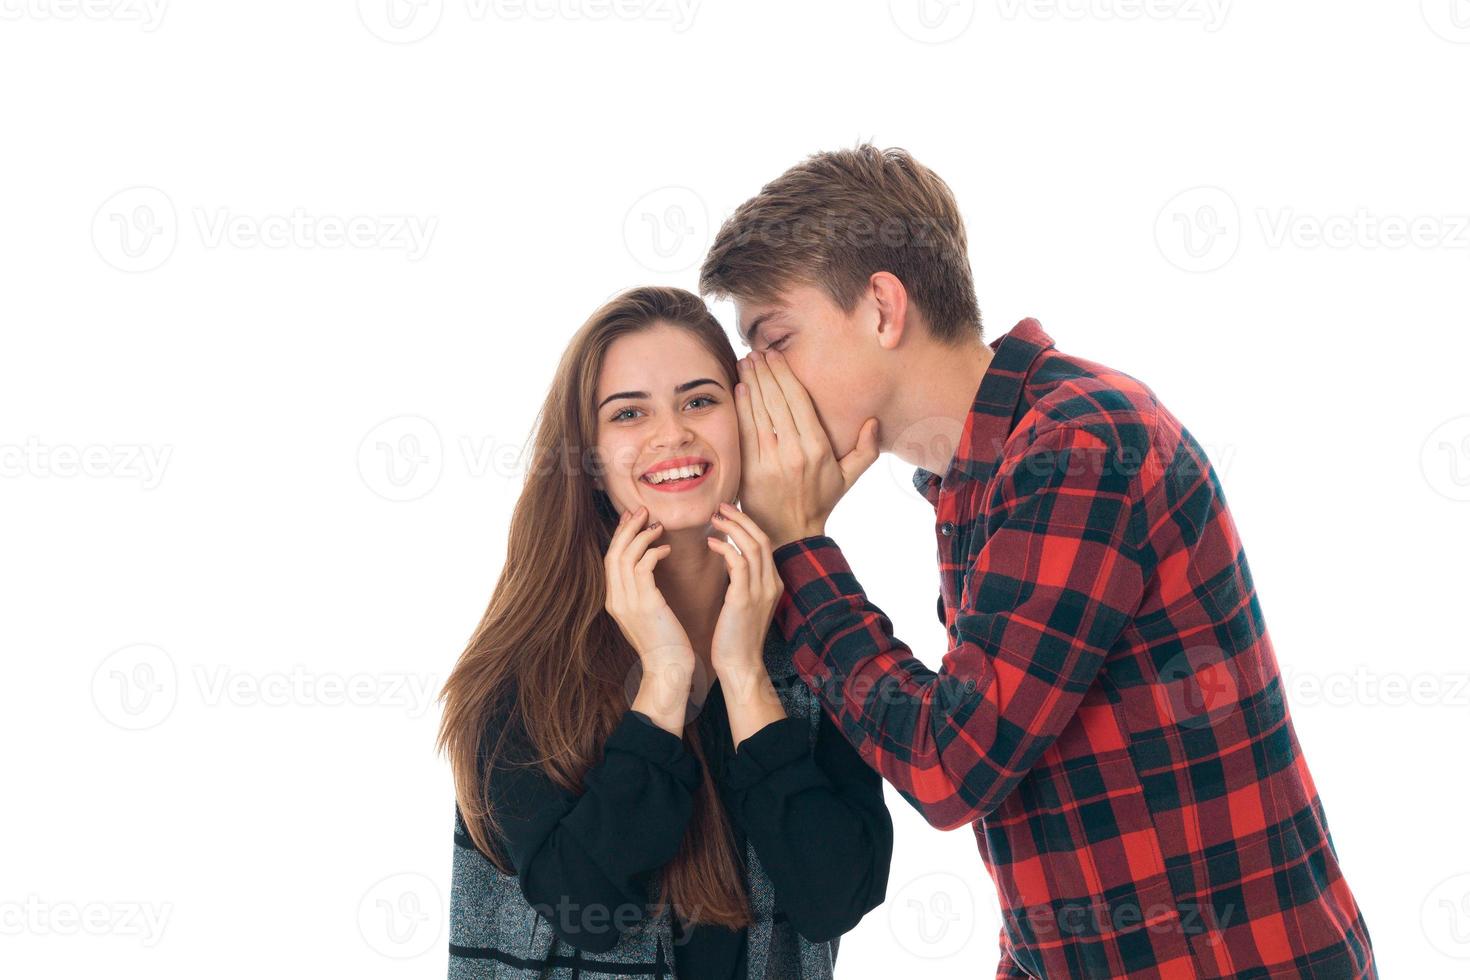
(547,657)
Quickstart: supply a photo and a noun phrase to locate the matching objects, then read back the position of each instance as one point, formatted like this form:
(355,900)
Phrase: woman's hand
(655,633)
(737,649)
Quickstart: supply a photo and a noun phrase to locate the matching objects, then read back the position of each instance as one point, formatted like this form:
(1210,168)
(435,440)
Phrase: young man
(1109,714)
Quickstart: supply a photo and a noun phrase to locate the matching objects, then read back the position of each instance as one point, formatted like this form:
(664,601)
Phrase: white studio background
(282,286)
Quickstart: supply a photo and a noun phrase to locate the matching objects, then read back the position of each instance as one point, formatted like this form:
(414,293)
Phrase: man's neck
(927,418)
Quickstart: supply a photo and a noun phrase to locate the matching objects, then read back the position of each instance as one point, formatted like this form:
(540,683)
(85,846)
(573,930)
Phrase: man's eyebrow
(678,389)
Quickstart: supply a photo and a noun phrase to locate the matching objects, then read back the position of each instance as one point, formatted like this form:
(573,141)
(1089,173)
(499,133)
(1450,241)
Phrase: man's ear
(892,302)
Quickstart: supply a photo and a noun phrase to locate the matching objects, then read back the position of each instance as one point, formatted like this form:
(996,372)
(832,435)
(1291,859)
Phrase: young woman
(644,786)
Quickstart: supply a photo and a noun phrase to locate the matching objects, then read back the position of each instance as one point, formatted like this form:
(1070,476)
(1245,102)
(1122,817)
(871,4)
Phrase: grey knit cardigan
(495,934)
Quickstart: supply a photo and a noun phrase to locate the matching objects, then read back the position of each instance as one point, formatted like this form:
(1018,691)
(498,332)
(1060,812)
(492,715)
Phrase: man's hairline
(777,301)
(776,297)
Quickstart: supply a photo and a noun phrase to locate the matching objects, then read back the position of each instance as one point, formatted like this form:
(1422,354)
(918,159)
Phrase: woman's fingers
(748,547)
(638,556)
(610,564)
(745,522)
(628,523)
(638,548)
(737,565)
(625,550)
(644,568)
(631,538)
(749,539)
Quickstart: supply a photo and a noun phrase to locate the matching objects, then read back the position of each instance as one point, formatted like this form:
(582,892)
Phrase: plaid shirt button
(947,528)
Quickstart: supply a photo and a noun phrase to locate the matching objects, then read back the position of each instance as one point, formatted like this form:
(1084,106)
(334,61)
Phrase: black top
(589,863)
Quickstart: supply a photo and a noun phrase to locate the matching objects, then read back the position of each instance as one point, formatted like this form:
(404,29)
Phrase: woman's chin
(683,516)
(683,511)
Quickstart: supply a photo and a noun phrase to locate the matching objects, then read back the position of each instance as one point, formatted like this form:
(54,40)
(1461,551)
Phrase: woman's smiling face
(662,399)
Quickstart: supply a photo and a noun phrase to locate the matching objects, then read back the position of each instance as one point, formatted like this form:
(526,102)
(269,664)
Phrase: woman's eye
(701,398)
(619,416)
(780,344)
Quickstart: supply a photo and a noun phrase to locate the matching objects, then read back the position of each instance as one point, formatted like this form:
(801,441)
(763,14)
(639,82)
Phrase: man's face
(835,355)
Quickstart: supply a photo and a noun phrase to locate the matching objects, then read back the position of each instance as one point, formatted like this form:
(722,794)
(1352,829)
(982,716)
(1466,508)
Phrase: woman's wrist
(751,701)
(663,695)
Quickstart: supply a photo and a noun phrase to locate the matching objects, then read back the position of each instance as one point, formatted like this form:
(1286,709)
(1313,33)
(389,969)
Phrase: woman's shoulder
(504,733)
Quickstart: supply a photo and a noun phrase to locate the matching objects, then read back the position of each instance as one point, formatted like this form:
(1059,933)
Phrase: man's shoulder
(1068,393)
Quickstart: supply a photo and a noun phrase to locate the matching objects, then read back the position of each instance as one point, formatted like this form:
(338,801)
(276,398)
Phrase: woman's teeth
(682,473)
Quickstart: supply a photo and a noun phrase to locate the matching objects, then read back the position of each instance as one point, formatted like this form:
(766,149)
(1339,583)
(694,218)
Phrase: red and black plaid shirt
(1109,714)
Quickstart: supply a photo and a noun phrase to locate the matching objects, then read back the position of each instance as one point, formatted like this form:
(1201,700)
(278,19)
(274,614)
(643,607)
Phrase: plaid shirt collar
(999,402)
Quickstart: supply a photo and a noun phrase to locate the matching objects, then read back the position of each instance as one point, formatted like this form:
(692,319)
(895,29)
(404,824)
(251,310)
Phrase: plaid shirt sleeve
(1059,575)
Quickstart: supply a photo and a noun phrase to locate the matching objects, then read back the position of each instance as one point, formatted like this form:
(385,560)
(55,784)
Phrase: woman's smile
(678,477)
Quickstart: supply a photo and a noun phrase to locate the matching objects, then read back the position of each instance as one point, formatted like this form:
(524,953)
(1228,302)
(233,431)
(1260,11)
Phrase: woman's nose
(672,432)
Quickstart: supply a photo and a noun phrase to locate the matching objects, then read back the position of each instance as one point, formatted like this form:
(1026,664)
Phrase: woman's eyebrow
(678,389)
